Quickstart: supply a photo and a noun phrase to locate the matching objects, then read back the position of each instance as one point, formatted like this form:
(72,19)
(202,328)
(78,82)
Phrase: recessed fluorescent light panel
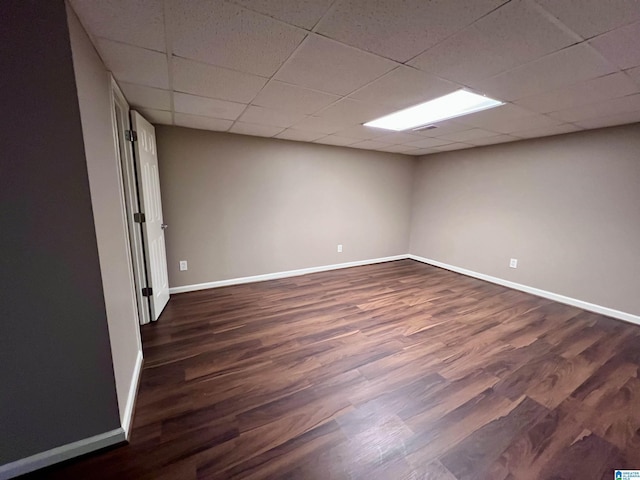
(456,104)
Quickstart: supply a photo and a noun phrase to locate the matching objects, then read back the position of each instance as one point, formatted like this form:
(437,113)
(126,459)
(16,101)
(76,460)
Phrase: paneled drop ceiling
(315,70)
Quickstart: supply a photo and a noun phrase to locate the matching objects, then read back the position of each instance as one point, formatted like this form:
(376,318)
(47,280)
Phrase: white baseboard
(71,450)
(289,273)
(610,312)
(60,454)
(131,399)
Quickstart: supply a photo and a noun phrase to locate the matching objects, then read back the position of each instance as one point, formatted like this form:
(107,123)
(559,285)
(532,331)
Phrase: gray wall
(56,378)
(239,206)
(105,181)
(568,207)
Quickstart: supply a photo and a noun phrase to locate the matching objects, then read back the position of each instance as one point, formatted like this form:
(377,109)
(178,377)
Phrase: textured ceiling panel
(463,57)
(256,130)
(605,108)
(337,140)
(299,135)
(589,18)
(332,67)
(139,23)
(207,107)
(315,70)
(401,30)
(215,82)
(153,115)
(284,96)
(621,46)
(269,116)
(202,123)
(147,97)
(404,87)
(304,13)
(521,31)
(453,146)
(546,131)
(135,65)
(583,93)
(230,36)
(565,67)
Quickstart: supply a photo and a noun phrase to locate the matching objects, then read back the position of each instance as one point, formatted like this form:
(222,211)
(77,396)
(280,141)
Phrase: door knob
(164,226)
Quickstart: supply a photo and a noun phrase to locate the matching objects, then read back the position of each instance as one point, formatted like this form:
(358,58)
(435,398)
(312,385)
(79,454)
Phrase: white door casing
(124,148)
(151,205)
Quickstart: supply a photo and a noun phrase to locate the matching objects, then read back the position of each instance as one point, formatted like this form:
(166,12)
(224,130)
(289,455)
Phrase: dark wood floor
(390,371)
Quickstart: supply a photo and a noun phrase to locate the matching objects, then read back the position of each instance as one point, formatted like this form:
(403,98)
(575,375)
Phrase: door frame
(124,151)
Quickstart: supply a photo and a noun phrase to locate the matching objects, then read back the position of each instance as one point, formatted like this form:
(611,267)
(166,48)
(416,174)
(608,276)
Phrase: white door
(151,205)
(121,125)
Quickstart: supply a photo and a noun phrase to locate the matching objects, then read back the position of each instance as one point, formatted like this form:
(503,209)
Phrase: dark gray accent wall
(56,376)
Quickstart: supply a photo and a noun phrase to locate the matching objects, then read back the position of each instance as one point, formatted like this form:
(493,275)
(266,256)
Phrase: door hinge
(147,292)
(131,135)
(139,217)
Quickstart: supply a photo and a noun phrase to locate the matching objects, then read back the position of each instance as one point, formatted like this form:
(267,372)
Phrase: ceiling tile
(592,17)
(621,46)
(525,123)
(352,111)
(141,96)
(299,135)
(293,98)
(442,128)
(429,143)
(521,31)
(468,135)
(255,130)
(320,125)
(492,140)
(370,145)
(590,91)
(337,140)
(463,57)
(398,137)
(453,146)
(304,13)
(215,82)
(547,131)
(630,103)
(612,120)
(565,67)
(404,87)
(269,116)
(207,107)
(252,61)
(230,36)
(399,149)
(135,65)
(362,132)
(202,123)
(139,23)
(493,118)
(401,30)
(332,67)
(155,116)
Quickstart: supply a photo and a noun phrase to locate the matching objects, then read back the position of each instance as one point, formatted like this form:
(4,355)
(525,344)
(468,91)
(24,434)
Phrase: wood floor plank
(533,449)
(397,370)
(472,457)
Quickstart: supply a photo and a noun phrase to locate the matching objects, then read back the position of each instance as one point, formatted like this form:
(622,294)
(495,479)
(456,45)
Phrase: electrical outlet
(183,265)
(513,263)
(339,248)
